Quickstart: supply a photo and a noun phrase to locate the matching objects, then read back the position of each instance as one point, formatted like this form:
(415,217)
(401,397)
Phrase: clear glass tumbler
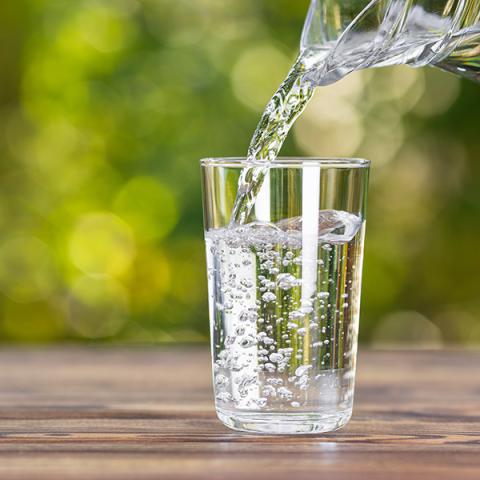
(284,293)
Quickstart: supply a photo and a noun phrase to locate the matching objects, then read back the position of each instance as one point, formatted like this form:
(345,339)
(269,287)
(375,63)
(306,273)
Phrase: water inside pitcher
(343,36)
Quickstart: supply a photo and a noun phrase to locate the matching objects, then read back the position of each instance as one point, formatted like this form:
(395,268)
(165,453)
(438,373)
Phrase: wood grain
(143,414)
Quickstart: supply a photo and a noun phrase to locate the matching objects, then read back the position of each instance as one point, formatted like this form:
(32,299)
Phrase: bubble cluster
(270,339)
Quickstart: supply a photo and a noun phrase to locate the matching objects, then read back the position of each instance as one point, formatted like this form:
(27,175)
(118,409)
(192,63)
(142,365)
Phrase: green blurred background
(106,108)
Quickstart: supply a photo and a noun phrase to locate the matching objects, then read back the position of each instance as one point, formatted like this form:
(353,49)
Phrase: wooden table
(74,413)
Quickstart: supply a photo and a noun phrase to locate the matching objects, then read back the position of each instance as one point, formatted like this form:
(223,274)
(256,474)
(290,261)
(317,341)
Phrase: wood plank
(108,413)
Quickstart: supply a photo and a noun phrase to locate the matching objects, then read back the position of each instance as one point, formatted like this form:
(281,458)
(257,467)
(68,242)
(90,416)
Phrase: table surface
(75,413)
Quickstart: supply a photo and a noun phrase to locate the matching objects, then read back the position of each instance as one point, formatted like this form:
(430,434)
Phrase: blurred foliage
(106,106)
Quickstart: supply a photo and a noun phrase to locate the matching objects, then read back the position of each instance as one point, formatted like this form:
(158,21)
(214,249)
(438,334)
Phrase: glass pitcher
(342,36)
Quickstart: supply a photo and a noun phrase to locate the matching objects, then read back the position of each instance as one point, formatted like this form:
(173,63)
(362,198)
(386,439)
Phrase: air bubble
(223,397)
(248,342)
(246,283)
(261,402)
(270,367)
(221,381)
(269,391)
(284,393)
(286,281)
(300,371)
(276,357)
(295,315)
(269,297)
(240,331)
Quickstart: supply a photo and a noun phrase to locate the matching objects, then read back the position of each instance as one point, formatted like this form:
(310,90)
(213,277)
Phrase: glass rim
(288,162)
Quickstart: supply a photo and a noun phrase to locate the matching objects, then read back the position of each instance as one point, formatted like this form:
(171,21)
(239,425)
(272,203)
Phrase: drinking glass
(284,292)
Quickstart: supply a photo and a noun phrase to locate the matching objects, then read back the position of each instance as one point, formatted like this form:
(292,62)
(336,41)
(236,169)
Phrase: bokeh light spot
(350,87)
(257,73)
(330,126)
(148,206)
(400,84)
(440,93)
(385,136)
(103,26)
(102,243)
(459,326)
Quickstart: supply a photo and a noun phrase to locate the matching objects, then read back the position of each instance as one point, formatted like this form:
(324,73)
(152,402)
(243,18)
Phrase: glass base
(284,423)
